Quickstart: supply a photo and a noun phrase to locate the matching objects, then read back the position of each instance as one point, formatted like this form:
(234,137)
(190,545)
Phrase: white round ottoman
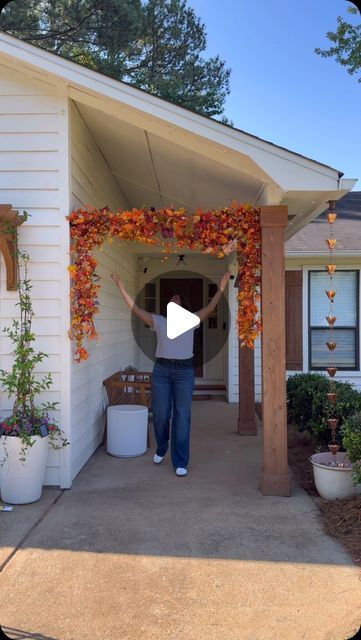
(127,430)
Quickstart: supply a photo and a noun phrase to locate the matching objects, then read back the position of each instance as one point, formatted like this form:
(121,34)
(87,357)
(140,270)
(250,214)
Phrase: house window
(345,331)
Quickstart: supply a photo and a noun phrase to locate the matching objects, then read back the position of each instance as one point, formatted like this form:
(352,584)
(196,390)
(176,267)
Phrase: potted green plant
(26,433)
(310,407)
(128,373)
(334,470)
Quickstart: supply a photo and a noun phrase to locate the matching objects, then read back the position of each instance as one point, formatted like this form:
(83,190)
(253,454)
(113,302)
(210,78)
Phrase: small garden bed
(341,518)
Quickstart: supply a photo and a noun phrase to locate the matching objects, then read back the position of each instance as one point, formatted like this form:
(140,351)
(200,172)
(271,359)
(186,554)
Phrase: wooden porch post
(246,400)
(246,411)
(275,478)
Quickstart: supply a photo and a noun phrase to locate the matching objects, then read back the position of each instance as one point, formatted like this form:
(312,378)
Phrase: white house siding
(92,183)
(34,177)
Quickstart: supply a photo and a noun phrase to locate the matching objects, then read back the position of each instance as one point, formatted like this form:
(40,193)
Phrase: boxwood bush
(309,408)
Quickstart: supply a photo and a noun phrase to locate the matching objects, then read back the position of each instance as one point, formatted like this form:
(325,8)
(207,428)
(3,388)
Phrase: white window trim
(344,373)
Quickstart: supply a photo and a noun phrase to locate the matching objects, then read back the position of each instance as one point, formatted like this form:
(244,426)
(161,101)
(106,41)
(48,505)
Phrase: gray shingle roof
(347,229)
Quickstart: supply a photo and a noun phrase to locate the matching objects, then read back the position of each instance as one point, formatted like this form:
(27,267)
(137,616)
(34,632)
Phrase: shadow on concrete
(20,634)
(133,507)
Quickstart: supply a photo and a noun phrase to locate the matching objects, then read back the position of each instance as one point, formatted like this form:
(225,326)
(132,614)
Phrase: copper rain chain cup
(331,319)
(332,397)
(332,423)
(331,371)
(331,243)
(334,448)
(331,344)
(331,293)
(331,217)
(330,268)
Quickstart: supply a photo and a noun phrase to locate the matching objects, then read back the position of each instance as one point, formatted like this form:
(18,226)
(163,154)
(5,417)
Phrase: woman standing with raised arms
(172,378)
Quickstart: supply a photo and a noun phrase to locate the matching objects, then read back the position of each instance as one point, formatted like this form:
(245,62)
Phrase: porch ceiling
(153,171)
(157,171)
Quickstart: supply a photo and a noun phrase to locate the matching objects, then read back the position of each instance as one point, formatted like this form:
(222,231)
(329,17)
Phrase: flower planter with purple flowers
(26,433)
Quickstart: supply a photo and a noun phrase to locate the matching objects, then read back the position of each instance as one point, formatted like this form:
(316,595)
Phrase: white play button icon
(179,320)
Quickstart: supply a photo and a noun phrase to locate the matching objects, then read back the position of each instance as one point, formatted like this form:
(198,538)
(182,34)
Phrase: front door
(192,289)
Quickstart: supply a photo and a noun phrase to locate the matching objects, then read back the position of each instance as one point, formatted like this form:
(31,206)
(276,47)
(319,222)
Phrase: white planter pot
(22,482)
(333,482)
(127,430)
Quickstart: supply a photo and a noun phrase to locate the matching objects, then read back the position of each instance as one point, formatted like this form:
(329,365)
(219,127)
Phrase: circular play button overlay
(162,295)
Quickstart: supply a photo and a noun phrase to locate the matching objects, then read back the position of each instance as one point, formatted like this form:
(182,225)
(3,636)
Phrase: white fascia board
(347,183)
(322,254)
(300,221)
(287,169)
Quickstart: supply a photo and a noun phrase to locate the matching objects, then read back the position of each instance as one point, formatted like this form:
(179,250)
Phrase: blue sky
(280,89)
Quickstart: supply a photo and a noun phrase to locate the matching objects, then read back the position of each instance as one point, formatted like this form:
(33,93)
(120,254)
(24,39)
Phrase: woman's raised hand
(118,280)
(225,280)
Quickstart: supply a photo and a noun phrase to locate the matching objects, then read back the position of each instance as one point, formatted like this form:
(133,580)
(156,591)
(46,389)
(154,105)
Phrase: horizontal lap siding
(34,178)
(93,184)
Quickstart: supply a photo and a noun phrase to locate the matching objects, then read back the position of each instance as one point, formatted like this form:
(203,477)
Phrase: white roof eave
(272,164)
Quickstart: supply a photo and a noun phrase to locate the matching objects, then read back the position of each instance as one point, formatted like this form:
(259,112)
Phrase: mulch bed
(341,518)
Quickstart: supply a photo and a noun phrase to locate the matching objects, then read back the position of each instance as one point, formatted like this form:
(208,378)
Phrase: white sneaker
(180,471)
(157,459)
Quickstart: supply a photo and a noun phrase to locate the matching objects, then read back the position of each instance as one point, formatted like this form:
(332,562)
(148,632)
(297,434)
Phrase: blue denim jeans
(172,390)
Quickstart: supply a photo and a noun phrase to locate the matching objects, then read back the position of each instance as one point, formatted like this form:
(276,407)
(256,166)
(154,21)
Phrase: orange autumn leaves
(215,232)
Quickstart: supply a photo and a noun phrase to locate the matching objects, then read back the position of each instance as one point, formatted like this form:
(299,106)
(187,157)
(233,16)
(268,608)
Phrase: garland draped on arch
(215,232)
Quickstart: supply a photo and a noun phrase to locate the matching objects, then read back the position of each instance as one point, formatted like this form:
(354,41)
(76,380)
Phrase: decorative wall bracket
(10,220)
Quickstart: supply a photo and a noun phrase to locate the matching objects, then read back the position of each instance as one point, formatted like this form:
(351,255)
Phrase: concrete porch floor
(132,552)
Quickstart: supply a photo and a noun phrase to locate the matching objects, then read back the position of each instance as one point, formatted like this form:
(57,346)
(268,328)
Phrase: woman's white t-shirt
(179,348)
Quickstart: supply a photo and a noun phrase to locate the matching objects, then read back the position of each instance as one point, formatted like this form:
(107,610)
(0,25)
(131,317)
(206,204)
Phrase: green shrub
(309,408)
(351,441)
(301,391)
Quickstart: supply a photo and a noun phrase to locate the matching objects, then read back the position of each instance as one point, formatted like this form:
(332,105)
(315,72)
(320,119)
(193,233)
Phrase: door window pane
(213,318)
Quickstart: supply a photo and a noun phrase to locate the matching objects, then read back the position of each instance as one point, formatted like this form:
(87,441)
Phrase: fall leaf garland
(215,232)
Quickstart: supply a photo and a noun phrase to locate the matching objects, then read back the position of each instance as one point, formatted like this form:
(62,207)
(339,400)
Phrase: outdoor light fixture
(181,260)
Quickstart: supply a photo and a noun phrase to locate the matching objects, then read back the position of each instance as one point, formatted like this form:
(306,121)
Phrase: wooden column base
(246,414)
(247,427)
(276,485)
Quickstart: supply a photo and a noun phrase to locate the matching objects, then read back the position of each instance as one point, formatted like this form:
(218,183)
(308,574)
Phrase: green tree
(157,45)
(347,44)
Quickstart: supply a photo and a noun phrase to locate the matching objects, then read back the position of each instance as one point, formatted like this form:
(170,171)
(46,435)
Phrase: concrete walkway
(132,552)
